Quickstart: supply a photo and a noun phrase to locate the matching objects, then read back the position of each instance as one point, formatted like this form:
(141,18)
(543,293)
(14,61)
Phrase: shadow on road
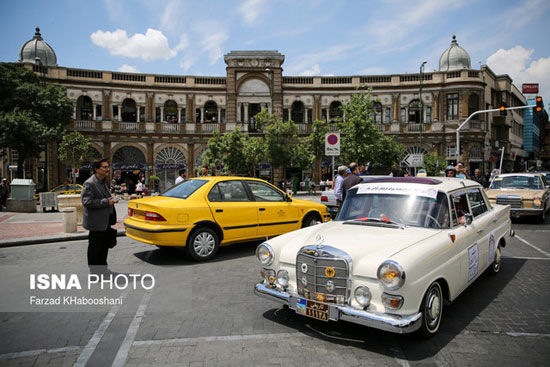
(456,317)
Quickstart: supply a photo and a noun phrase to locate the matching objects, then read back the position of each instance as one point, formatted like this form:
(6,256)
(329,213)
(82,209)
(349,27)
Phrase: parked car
(65,189)
(203,213)
(329,198)
(526,193)
(399,249)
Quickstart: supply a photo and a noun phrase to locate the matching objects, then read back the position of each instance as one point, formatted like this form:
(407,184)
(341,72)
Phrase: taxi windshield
(184,189)
(517,182)
(404,210)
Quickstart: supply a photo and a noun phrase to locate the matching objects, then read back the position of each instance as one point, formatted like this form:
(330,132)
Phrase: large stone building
(154,123)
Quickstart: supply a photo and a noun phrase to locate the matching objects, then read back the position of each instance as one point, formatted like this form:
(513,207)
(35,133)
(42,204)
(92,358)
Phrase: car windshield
(184,189)
(405,210)
(517,182)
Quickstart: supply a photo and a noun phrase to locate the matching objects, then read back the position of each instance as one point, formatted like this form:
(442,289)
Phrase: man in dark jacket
(351,180)
(99,212)
(479,178)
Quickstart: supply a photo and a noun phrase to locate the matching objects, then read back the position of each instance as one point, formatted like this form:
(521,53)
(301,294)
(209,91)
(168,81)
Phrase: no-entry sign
(332,144)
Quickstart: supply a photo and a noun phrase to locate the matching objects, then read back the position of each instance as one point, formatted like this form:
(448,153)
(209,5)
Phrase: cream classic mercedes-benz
(399,248)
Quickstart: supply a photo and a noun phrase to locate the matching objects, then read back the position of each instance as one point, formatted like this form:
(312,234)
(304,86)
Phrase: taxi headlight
(391,275)
(363,295)
(282,278)
(537,201)
(264,252)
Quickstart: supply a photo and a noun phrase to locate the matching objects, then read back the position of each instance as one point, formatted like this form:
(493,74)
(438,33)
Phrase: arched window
(210,112)
(414,112)
(171,111)
(167,164)
(129,110)
(128,156)
(335,110)
(297,112)
(473,105)
(377,112)
(84,108)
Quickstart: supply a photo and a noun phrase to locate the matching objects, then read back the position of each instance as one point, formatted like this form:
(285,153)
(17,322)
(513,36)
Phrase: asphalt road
(205,314)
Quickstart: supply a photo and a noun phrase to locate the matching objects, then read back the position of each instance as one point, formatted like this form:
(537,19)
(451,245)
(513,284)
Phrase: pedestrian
(98,213)
(450,171)
(181,176)
(362,170)
(461,171)
(204,171)
(479,178)
(338,185)
(352,179)
(4,192)
(139,188)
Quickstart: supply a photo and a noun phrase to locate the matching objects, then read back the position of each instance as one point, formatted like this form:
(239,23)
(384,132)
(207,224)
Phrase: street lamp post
(421,103)
(270,76)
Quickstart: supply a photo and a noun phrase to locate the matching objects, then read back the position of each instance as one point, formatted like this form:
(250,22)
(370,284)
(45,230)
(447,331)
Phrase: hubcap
(496,265)
(204,244)
(433,308)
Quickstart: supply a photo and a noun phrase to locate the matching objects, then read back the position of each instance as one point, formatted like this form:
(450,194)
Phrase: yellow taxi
(65,189)
(204,213)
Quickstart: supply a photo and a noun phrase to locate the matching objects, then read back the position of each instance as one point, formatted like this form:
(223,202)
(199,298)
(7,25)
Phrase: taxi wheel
(309,220)
(202,244)
(495,266)
(432,310)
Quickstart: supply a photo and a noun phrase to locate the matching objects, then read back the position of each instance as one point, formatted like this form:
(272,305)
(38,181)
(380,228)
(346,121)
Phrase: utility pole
(421,104)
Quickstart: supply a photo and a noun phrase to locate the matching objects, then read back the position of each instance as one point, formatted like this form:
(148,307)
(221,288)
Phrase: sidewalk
(17,229)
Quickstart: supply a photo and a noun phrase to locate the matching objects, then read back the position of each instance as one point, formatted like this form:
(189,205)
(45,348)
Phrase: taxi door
(484,225)
(275,214)
(233,210)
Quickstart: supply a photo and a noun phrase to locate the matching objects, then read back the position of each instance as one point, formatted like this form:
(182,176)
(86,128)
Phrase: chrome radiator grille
(322,274)
(513,201)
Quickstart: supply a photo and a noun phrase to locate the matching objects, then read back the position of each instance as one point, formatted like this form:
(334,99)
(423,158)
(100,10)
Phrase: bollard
(69,219)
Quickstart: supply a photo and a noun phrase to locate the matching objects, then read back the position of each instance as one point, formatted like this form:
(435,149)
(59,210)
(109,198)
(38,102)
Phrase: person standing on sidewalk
(338,185)
(4,192)
(352,180)
(99,212)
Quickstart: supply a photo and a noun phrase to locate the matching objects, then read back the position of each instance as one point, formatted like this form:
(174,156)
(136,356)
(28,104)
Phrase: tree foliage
(30,114)
(434,164)
(74,150)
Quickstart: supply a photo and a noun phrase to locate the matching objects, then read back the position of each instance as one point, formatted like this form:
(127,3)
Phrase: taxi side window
(228,191)
(477,202)
(459,207)
(263,192)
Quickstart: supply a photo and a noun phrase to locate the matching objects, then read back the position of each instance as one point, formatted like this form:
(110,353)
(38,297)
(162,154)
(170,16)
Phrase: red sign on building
(530,88)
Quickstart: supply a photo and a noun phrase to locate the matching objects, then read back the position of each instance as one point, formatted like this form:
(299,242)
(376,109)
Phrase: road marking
(94,341)
(217,338)
(30,353)
(526,258)
(533,246)
(528,334)
(122,354)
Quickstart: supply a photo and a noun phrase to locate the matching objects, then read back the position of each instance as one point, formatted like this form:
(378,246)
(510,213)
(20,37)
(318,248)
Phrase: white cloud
(114,9)
(303,63)
(251,10)
(517,62)
(184,43)
(170,18)
(149,46)
(128,69)
(188,60)
(315,70)
(212,44)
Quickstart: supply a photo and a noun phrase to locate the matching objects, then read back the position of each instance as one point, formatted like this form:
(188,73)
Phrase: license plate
(139,214)
(312,309)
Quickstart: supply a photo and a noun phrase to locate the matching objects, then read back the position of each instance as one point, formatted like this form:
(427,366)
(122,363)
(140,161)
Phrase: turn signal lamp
(155,217)
(392,301)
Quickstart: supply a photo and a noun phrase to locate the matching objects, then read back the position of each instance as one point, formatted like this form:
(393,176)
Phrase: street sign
(414,160)
(332,144)
(530,88)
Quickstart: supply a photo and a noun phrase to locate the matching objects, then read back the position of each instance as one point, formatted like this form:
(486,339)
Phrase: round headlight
(537,201)
(264,252)
(391,275)
(282,278)
(363,296)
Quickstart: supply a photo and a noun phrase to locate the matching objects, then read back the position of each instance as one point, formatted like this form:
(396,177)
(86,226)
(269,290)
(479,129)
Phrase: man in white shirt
(338,184)
(181,176)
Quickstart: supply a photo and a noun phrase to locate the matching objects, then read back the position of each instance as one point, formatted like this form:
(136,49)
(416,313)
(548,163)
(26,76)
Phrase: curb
(55,238)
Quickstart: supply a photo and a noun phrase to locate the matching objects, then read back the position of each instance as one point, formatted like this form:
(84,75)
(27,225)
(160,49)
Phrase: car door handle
(219,210)
(480,230)
(262,209)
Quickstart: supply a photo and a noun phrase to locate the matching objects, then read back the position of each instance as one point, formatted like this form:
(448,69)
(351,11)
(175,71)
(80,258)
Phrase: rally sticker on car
(491,256)
(416,190)
(473,261)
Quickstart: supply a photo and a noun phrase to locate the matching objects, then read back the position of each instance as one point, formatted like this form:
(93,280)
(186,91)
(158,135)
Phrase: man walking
(352,179)
(338,185)
(181,176)
(99,212)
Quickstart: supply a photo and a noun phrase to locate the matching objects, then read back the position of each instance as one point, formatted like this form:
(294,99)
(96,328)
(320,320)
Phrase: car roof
(528,174)
(444,184)
(225,178)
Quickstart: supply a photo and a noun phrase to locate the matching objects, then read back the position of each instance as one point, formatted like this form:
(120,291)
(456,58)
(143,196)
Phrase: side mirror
(468,218)
(288,198)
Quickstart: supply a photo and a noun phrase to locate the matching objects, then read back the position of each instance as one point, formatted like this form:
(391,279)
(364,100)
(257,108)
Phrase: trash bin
(22,189)
(48,200)
(69,219)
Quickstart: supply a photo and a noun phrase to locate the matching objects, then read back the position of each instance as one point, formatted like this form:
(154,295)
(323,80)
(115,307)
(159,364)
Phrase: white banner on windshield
(415,189)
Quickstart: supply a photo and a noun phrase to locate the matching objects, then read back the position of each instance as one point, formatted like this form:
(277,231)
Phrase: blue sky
(317,37)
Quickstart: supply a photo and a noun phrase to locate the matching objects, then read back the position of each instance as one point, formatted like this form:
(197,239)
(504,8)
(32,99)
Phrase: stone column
(239,117)
(149,107)
(190,108)
(107,154)
(306,116)
(161,113)
(190,160)
(93,111)
(289,113)
(202,115)
(137,113)
(150,159)
(327,117)
(74,112)
(246,113)
(316,107)
(107,108)
(396,109)
(435,109)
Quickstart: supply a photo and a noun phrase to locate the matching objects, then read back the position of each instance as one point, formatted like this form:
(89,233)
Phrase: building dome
(454,58)
(37,48)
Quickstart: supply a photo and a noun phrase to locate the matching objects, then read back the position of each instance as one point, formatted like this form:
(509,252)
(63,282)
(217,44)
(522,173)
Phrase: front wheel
(495,266)
(432,310)
(202,244)
(309,220)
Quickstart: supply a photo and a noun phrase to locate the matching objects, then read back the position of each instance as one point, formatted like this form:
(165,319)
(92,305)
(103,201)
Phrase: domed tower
(37,48)
(454,58)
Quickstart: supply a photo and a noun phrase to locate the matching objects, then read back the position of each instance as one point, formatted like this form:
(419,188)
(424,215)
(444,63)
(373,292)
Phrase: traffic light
(503,111)
(538,107)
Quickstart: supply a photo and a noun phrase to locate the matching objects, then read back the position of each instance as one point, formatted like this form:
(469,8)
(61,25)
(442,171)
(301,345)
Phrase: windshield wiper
(367,221)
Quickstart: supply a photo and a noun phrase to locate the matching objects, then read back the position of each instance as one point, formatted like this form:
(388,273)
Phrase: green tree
(302,154)
(214,154)
(434,164)
(281,138)
(254,152)
(361,142)
(74,150)
(233,157)
(30,114)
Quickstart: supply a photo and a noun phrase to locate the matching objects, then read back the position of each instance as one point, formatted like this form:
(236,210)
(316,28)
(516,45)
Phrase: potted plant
(154,182)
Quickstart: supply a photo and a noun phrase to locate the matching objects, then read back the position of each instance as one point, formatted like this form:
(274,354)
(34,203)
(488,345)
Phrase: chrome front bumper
(392,323)
(517,212)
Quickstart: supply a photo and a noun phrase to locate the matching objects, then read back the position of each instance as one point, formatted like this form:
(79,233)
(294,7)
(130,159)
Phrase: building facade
(157,124)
